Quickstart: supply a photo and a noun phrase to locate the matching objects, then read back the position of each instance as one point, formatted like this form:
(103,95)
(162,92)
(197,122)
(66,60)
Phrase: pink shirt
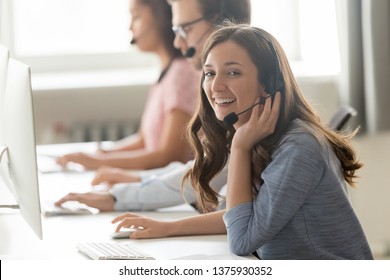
(178,89)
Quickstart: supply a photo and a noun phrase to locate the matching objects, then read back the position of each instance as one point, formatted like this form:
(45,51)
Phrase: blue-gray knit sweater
(302,210)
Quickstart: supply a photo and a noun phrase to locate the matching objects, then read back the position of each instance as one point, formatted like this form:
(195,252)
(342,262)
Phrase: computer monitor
(3,78)
(3,68)
(4,56)
(18,161)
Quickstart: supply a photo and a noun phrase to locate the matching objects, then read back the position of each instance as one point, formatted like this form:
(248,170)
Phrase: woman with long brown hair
(288,174)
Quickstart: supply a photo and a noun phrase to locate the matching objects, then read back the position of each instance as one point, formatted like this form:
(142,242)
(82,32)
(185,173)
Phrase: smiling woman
(287,185)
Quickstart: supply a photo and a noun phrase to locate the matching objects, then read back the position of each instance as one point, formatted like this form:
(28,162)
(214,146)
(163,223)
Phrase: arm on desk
(159,190)
(204,224)
(111,176)
(154,192)
(163,189)
(104,201)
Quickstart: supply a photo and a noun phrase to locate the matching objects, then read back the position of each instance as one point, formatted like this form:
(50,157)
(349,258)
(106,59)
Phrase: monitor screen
(18,163)
(4,57)
(3,77)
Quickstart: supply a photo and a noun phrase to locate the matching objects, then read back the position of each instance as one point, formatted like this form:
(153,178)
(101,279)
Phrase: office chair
(340,118)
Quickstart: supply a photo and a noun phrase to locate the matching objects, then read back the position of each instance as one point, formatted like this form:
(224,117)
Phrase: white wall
(70,100)
(371,198)
(76,107)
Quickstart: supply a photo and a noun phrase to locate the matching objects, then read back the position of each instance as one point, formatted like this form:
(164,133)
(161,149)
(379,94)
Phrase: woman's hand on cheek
(261,124)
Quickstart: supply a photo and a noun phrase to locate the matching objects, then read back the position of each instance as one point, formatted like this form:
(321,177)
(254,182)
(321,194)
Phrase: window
(93,34)
(306,29)
(69,34)
(282,23)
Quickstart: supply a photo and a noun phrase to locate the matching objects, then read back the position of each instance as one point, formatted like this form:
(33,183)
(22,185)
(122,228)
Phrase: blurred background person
(170,104)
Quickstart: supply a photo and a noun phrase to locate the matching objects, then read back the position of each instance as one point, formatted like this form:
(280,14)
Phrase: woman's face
(143,26)
(231,83)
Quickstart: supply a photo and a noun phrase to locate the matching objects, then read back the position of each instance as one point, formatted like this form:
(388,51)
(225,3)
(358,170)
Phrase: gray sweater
(302,210)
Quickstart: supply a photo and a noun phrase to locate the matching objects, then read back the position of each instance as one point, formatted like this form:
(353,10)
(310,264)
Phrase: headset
(274,84)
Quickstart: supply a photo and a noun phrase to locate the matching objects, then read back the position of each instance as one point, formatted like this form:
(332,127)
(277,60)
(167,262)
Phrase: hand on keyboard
(48,164)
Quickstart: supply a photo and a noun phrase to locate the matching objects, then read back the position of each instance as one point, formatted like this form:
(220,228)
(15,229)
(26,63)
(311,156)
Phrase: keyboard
(48,164)
(111,251)
(68,208)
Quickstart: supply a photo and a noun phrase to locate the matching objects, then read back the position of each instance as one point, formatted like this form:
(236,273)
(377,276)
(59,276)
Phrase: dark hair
(238,11)
(163,14)
(211,140)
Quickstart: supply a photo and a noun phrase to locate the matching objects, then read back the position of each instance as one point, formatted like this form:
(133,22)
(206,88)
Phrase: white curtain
(364,34)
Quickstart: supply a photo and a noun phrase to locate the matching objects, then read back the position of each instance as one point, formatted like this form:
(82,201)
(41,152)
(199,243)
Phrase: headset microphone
(190,52)
(231,118)
(134,40)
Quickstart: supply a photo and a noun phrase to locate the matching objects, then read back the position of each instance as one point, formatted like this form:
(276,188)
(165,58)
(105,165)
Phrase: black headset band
(278,83)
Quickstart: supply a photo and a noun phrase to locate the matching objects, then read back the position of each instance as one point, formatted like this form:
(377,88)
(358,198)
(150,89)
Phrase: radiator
(107,131)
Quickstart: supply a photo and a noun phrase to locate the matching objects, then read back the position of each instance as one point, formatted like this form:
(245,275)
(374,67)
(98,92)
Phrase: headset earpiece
(275,82)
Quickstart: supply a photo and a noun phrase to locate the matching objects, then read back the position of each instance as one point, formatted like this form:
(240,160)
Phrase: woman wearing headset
(287,187)
(170,104)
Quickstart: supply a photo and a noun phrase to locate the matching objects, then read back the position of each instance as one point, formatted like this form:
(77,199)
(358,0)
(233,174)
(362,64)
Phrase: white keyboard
(69,208)
(111,251)
(48,164)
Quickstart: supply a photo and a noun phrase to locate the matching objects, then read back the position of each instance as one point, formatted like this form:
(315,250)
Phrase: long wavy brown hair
(211,139)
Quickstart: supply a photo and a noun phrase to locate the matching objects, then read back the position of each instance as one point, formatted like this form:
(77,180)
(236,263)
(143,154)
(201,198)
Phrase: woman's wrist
(240,149)
(171,229)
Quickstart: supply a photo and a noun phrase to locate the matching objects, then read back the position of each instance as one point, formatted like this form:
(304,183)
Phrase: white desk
(61,233)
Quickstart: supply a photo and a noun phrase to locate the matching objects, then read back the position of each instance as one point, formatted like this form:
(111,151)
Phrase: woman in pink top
(171,102)
(173,94)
